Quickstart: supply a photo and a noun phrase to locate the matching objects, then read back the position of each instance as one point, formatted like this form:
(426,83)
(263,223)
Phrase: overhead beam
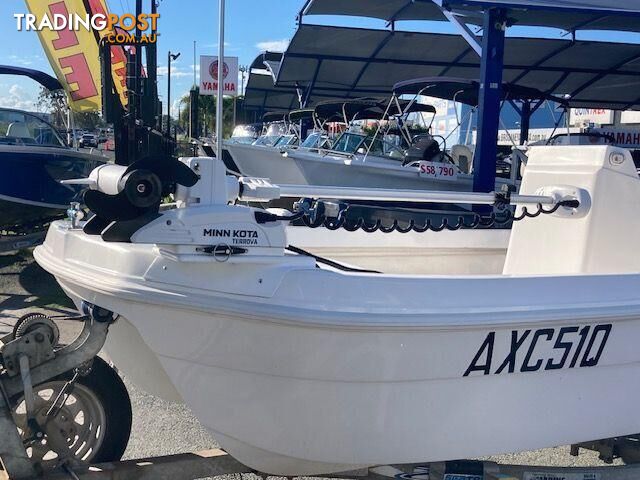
(462,28)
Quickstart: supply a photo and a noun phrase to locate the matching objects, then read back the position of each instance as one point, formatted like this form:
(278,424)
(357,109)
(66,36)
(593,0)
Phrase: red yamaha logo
(213,70)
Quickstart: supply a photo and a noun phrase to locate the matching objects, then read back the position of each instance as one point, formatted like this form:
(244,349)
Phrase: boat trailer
(30,356)
(216,463)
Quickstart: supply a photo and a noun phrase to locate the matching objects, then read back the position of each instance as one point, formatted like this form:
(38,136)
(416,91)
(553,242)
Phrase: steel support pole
(490,99)
(169,94)
(525,121)
(220,99)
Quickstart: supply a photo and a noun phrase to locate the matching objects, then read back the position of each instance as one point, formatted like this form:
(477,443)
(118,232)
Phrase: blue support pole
(525,121)
(492,63)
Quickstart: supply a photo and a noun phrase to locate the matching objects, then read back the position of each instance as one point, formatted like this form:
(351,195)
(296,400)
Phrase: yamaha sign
(209,75)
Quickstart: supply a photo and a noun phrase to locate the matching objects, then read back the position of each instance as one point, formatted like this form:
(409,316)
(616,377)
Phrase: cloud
(175,104)
(26,61)
(215,45)
(176,71)
(273,45)
(17,97)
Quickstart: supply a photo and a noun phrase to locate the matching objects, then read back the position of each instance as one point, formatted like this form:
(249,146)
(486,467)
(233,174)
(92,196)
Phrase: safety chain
(491,221)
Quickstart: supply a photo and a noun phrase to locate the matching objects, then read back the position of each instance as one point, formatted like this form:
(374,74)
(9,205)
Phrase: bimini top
(47,81)
(366,108)
(570,15)
(271,117)
(354,62)
(297,115)
(467,91)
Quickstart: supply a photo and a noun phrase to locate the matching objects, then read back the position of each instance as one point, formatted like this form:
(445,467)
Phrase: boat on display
(35,158)
(299,366)
(357,159)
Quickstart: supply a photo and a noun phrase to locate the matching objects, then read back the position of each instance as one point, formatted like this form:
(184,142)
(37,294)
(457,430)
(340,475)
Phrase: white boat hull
(308,390)
(303,167)
(299,370)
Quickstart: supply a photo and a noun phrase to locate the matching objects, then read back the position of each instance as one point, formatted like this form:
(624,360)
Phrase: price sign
(437,170)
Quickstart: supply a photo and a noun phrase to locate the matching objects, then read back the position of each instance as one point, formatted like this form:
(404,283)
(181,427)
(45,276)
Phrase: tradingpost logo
(114,29)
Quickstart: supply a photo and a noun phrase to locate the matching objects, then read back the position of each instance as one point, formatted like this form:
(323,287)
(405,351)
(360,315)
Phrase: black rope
(478,221)
(330,263)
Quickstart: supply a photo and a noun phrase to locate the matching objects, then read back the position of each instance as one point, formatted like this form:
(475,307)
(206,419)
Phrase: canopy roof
(467,91)
(565,14)
(261,95)
(47,81)
(267,61)
(351,63)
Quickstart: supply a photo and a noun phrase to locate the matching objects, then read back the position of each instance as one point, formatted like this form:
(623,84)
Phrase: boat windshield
(316,140)
(272,133)
(348,143)
(22,128)
(276,129)
(286,140)
(361,144)
(267,141)
(244,134)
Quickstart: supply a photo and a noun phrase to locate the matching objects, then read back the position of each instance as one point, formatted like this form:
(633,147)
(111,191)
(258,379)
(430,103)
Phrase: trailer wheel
(93,425)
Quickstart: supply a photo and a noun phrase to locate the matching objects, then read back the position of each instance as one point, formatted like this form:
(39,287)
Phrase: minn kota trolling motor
(208,221)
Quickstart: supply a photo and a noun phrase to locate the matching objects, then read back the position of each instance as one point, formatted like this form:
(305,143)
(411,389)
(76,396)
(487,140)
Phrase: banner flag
(118,54)
(74,55)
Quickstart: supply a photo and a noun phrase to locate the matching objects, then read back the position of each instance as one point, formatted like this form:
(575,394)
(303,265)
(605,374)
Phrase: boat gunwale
(235,305)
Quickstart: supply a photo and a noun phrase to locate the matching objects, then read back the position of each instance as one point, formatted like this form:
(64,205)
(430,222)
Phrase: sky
(250,29)
(252,26)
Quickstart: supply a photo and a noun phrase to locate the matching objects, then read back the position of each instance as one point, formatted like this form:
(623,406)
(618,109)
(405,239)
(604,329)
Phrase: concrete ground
(161,428)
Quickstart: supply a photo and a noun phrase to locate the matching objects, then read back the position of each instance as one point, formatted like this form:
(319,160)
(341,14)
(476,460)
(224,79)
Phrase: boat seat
(19,130)
(463,158)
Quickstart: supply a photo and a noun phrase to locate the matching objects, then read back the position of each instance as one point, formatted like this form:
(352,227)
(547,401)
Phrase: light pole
(243,70)
(170,57)
(220,99)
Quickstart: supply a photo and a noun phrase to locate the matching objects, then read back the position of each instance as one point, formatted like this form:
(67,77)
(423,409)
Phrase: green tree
(55,103)
(207,108)
(88,120)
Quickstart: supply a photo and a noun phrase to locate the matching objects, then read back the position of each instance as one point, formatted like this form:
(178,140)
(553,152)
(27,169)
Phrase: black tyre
(94,422)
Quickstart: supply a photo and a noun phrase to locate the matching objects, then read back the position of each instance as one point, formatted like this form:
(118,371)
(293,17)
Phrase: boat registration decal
(571,347)
(560,476)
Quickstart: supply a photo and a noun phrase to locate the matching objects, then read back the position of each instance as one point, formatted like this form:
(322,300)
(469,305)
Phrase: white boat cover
(576,14)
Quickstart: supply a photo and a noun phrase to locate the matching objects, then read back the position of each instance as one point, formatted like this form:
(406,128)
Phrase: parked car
(88,140)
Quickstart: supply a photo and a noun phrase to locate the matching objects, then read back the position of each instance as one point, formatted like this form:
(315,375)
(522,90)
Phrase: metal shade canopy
(352,63)
(268,61)
(568,15)
(46,80)
(467,91)
(262,95)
